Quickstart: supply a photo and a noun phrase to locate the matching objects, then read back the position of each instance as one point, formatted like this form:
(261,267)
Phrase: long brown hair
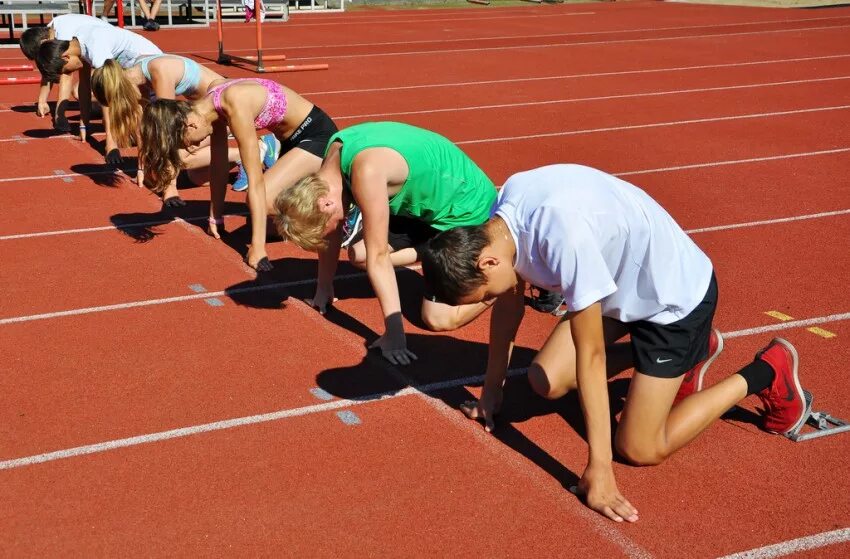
(163,132)
(113,89)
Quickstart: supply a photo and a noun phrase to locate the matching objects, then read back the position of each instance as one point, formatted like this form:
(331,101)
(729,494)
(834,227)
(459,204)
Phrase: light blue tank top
(191,73)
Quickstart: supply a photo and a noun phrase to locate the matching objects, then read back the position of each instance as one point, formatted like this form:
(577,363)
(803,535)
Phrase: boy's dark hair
(49,59)
(31,39)
(450,262)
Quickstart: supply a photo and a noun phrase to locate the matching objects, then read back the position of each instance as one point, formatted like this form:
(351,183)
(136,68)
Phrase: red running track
(119,374)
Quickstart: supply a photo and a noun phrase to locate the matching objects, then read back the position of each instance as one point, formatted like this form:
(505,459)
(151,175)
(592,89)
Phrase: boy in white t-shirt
(624,267)
(61,28)
(91,46)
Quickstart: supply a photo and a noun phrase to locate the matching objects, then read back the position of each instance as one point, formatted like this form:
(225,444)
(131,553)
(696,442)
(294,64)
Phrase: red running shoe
(786,406)
(693,378)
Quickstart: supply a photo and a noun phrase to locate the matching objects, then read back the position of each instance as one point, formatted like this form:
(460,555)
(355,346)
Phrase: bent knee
(357,257)
(439,322)
(544,385)
(639,454)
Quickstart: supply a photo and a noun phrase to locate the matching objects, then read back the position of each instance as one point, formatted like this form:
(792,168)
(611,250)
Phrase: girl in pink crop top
(171,128)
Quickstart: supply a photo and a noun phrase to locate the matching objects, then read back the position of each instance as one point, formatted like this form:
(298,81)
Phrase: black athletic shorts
(671,350)
(312,135)
(406,232)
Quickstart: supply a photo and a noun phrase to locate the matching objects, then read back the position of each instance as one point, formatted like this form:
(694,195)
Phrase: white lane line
(576,76)
(732,162)
(111,227)
(797,545)
(61,176)
(569,100)
(564,101)
(281,285)
(318,408)
(442,52)
(622,174)
(767,222)
(443,41)
(597,98)
(530,137)
(165,300)
(653,125)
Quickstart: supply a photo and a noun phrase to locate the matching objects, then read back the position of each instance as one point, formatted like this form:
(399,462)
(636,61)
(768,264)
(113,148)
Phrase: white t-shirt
(65,27)
(594,237)
(98,45)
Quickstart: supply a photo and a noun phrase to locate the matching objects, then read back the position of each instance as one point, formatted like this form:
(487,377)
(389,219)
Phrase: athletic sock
(758,375)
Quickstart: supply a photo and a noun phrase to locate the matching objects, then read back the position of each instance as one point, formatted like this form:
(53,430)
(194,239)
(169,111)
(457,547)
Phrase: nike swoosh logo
(659,360)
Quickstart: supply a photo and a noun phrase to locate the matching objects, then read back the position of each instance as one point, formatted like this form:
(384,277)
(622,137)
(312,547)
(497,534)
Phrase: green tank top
(444,187)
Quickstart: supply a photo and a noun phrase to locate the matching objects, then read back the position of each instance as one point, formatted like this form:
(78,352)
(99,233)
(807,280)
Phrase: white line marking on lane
(111,227)
(336,404)
(18,236)
(797,545)
(535,36)
(575,76)
(597,98)
(442,52)
(733,162)
(766,222)
(653,125)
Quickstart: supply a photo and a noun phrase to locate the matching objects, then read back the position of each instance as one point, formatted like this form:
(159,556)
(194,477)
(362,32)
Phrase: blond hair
(163,130)
(112,89)
(299,218)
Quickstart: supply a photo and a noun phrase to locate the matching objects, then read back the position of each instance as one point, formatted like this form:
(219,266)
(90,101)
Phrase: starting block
(823,423)
(482,2)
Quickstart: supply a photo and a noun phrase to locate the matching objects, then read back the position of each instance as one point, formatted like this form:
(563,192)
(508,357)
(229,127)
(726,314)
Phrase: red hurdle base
(16,68)
(297,68)
(17,81)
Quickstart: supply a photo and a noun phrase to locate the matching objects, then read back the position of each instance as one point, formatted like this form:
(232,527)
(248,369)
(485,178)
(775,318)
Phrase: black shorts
(312,135)
(671,350)
(406,232)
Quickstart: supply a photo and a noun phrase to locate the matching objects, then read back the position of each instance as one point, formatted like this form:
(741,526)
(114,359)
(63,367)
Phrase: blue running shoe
(352,226)
(272,150)
(241,182)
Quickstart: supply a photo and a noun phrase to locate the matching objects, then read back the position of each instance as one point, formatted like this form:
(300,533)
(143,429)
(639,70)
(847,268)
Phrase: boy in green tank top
(409,184)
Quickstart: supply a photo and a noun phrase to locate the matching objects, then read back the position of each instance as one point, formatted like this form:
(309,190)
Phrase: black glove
(173,202)
(264,265)
(113,157)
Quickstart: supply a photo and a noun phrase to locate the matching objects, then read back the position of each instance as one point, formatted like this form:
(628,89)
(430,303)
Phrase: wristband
(216,220)
(82,127)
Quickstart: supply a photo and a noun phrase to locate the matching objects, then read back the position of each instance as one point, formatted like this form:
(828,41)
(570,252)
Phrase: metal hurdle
(256,63)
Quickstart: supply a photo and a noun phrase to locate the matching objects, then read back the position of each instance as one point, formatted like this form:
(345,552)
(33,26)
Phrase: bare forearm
(381,274)
(328,260)
(507,315)
(259,214)
(44,92)
(593,395)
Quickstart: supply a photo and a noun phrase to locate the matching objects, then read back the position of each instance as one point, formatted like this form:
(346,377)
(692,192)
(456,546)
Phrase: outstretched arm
(369,179)
(41,107)
(219,168)
(328,260)
(241,122)
(597,483)
(84,99)
(508,312)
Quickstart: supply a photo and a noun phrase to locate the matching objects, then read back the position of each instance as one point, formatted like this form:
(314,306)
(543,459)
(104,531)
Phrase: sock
(758,375)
